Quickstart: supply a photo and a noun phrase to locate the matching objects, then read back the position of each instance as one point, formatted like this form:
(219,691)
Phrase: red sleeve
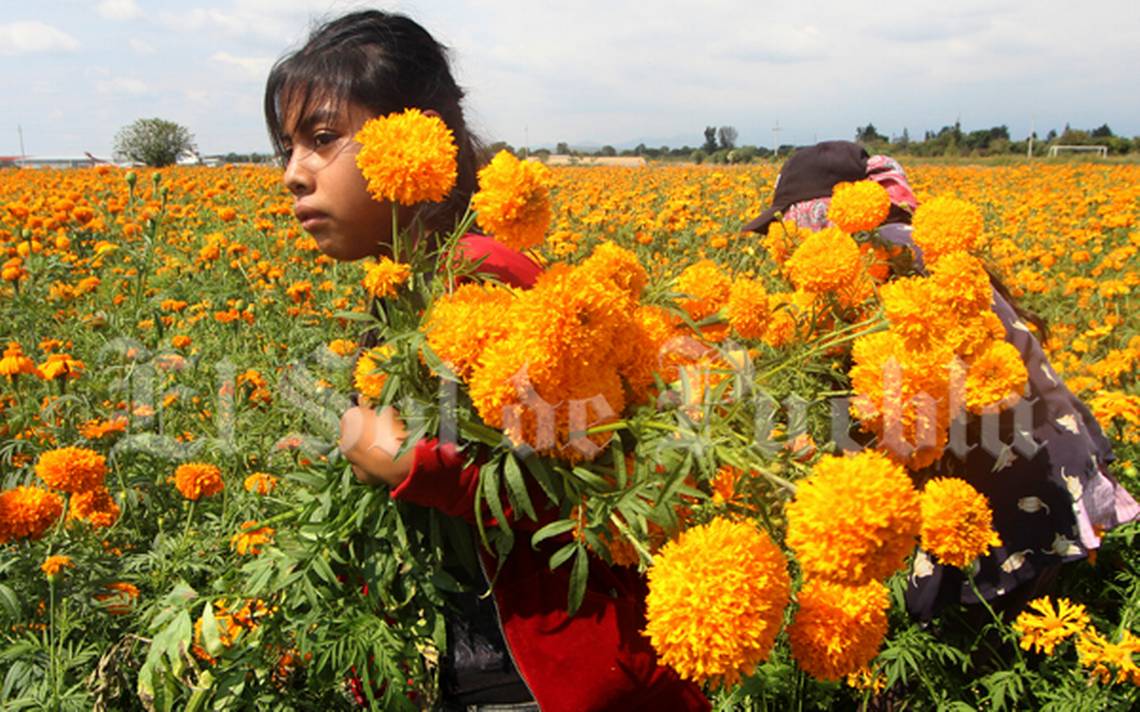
(499,261)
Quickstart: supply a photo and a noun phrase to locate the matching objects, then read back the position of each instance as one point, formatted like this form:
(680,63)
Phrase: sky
(587,72)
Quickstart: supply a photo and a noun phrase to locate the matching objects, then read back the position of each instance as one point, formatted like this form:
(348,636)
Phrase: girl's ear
(432,112)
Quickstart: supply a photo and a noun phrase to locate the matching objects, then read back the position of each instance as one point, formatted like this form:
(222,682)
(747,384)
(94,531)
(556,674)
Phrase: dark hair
(386,63)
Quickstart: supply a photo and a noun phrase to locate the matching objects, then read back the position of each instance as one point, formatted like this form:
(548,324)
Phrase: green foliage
(153,142)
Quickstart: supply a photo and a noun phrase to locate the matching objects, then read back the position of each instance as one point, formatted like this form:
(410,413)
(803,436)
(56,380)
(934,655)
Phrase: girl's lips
(309,218)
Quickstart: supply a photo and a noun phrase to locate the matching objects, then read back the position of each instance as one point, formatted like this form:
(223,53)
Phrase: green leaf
(489,483)
(516,487)
(578,576)
(563,555)
(552,530)
(212,641)
(9,602)
(541,475)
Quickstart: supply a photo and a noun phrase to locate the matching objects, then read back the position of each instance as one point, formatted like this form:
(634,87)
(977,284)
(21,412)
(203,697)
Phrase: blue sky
(73,72)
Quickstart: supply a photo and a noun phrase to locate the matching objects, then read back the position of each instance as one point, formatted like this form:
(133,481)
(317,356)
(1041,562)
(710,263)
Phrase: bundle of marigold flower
(513,202)
(716,601)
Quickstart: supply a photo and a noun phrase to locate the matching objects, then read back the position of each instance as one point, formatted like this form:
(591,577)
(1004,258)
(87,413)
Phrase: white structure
(1101,151)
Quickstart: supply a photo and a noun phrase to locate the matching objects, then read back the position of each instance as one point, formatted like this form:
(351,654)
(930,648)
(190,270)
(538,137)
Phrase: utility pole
(20,130)
(526,141)
(1032,132)
(775,140)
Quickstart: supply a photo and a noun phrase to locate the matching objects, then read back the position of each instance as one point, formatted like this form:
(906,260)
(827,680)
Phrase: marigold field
(178,530)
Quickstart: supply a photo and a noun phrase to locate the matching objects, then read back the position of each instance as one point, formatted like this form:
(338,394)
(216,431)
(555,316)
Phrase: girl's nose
(298,179)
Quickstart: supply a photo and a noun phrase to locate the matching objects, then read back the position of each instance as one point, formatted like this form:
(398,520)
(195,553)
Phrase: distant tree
(1101,131)
(607,151)
(153,142)
(498,146)
(868,134)
(562,148)
(698,156)
(744,154)
(709,145)
(726,137)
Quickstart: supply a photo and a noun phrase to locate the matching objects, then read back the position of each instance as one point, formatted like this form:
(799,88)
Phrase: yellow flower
(407,157)
(261,483)
(716,601)
(829,261)
(854,518)
(97,507)
(858,206)
(838,629)
(196,480)
(251,537)
(382,278)
(462,324)
(342,347)
(1097,653)
(52,565)
(72,469)
(513,202)
(748,308)
(706,288)
(61,366)
(1042,627)
(957,523)
(944,225)
(368,377)
(997,377)
(27,512)
(15,363)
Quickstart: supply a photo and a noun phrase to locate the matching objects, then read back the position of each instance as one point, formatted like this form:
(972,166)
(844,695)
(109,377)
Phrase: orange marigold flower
(957,523)
(944,225)
(859,206)
(614,263)
(343,347)
(384,277)
(1042,627)
(368,377)
(198,479)
(97,507)
(513,202)
(119,599)
(95,428)
(997,377)
(72,469)
(748,308)
(716,601)
(261,483)
(838,629)
(706,288)
(15,363)
(27,512)
(462,324)
(854,519)
(54,564)
(61,366)
(407,157)
(180,341)
(251,537)
(1103,657)
(826,261)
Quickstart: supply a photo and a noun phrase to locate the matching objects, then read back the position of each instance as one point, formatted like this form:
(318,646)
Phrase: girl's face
(332,201)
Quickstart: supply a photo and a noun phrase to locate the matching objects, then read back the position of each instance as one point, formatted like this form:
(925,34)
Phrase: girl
(1048,507)
(516,649)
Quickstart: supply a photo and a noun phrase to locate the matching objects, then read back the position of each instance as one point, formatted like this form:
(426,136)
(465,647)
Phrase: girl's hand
(369,440)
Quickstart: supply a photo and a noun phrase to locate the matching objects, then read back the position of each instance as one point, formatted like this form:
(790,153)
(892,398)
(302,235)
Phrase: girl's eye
(324,138)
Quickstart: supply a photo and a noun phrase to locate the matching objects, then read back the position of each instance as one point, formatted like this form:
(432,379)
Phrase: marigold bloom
(119,599)
(96,506)
(944,225)
(996,377)
(61,366)
(342,347)
(384,277)
(15,363)
(854,519)
(462,324)
(197,479)
(261,483)
(716,601)
(54,564)
(27,512)
(72,469)
(407,157)
(513,202)
(859,206)
(838,629)
(707,289)
(957,523)
(1102,657)
(1042,627)
(828,261)
(95,428)
(367,376)
(251,537)
(748,309)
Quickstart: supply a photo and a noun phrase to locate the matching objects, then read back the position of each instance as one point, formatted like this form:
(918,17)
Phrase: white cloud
(34,36)
(119,9)
(122,85)
(140,46)
(253,67)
